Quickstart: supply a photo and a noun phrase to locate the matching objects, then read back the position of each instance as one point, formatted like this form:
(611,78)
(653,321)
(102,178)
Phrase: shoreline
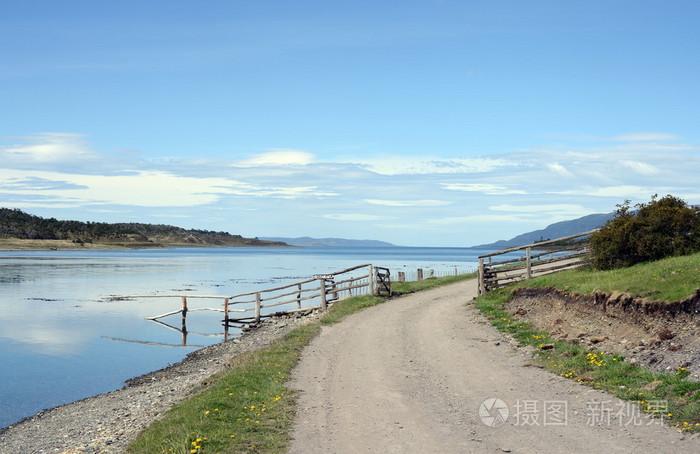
(16,244)
(107,423)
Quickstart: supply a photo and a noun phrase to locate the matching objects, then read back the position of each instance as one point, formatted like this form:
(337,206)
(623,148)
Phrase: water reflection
(62,340)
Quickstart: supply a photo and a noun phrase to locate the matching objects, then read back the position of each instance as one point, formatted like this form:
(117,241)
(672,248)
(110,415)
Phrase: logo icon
(493,412)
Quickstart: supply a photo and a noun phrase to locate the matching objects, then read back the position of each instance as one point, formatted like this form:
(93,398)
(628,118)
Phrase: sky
(420,123)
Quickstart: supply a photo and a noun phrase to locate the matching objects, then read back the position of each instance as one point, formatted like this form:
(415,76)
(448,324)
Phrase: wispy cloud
(279,157)
(402,165)
(288,192)
(355,217)
(559,209)
(48,147)
(485,188)
(645,137)
(641,168)
(560,170)
(140,188)
(618,192)
(482,218)
(408,203)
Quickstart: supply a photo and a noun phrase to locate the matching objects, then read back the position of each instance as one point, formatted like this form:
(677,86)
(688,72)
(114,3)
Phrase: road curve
(410,376)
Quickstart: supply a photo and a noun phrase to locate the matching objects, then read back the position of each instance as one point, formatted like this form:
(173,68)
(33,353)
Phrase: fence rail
(299,297)
(495,274)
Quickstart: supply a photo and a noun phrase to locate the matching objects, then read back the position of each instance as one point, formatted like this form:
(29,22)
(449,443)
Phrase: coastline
(109,422)
(16,244)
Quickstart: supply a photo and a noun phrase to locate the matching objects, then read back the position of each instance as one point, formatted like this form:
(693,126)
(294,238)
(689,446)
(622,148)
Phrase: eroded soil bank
(661,335)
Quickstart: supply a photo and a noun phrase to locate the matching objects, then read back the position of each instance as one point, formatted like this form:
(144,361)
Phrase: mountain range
(556,230)
(331,242)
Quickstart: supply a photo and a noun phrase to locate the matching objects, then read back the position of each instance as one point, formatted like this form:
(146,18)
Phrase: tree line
(15,223)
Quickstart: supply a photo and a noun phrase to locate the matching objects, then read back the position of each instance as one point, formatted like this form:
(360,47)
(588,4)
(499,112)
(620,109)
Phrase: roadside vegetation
(248,408)
(627,256)
(651,231)
(596,368)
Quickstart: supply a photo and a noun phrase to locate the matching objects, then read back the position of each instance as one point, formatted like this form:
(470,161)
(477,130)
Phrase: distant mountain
(331,242)
(556,230)
(16,224)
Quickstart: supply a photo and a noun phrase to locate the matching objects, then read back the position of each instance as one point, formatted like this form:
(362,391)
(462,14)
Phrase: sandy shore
(109,422)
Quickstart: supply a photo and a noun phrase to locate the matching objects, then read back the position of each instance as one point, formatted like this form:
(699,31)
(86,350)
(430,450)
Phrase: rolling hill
(556,230)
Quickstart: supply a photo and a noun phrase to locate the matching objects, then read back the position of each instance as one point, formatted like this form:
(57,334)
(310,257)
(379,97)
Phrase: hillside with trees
(18,225)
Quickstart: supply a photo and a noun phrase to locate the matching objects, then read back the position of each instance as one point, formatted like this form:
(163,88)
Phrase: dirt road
(419,374)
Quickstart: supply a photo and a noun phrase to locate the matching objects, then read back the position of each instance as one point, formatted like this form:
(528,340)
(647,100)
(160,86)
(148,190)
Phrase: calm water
(62,339)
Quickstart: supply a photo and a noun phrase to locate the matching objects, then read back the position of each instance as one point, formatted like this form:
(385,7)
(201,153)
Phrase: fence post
(324,303)
(482,287)
(257,307)
(401,277)
(372,281)
(299,296)
(529,262)
(419,274)
(184,311)
(226,311)
(184,321)
(184,305)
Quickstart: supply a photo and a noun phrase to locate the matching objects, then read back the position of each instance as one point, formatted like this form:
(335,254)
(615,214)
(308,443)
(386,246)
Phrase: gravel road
(412,376)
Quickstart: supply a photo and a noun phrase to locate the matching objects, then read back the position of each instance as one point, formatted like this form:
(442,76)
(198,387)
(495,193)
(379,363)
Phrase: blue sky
(421,123)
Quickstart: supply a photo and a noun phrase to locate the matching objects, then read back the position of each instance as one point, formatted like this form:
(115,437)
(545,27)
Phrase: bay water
(63,338)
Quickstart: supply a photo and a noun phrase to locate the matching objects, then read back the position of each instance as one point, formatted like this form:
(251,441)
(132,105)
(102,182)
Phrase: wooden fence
(495,274)
(299,297)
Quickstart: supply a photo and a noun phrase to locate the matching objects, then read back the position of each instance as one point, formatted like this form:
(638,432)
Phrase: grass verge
(671,279)
(664,395)
(248,408)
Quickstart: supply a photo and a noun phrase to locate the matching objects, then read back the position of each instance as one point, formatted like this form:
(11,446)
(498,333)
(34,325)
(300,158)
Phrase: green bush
(664,227)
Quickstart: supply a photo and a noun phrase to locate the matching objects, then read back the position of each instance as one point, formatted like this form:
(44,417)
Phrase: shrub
(661,228)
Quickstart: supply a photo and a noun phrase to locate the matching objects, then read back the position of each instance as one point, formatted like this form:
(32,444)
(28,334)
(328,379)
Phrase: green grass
(248,408)
(667,280)
(671,279)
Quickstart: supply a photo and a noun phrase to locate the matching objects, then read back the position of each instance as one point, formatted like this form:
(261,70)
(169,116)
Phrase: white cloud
(620,192)
(403,165)
(481,218)
(490,189)
(560,170)
(49,147)
(641,168)
(142,188)
(559,209)
(355,217)
(279,157)
(408,203)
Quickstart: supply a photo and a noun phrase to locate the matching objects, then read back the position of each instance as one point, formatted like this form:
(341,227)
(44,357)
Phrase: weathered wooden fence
(495,274)
(299,297)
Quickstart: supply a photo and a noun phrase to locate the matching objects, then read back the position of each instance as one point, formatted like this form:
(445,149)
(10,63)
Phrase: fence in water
(299,297)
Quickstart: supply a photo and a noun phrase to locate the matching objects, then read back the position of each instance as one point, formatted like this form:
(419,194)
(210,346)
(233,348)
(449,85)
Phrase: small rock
(598,339)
